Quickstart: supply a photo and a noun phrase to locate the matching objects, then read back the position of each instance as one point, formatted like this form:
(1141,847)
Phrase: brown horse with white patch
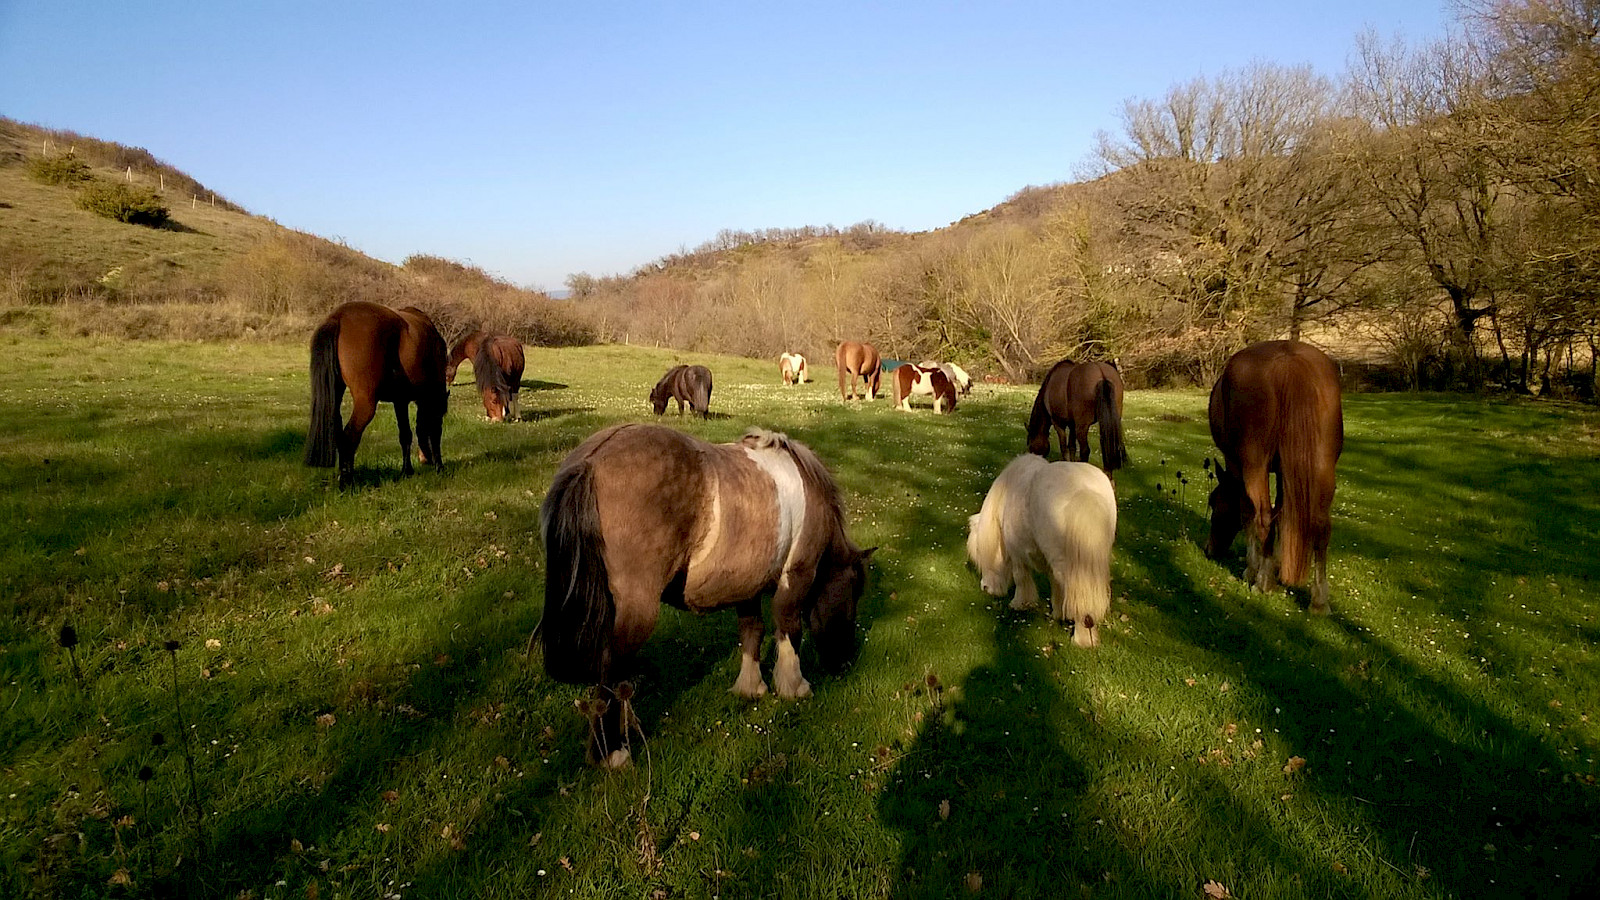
(640,515)
(1072,397)
(382,355)
(911,380)
(1277,410)
(856,359)
(497,365)
(792,368)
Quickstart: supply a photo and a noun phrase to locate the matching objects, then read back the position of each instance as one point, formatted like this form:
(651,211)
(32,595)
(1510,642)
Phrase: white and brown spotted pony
(910,380)
(792,366)
(640,515)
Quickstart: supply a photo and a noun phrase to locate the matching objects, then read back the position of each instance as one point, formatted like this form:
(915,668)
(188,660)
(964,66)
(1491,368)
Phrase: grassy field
(351,710)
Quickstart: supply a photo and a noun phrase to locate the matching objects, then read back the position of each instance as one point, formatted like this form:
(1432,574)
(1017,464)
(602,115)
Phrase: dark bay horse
(640,515)
(685,384)
(1073,397)
(858,360)
(497,364)
(382,355)
(1276,411)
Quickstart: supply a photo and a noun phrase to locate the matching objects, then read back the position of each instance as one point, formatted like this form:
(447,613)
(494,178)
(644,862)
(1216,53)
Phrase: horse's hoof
(1085,637)
(750,693)
(618,759)
(1021,605)
(798,692)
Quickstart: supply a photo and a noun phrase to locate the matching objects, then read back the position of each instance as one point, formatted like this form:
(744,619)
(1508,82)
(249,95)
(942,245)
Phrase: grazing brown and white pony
(497,364)
(1072,397)
(957,375)
(685,384)
(1276,411)
(1059,518)
(640,515)
(910,380)
(381,355)
(856,359)
(792,366)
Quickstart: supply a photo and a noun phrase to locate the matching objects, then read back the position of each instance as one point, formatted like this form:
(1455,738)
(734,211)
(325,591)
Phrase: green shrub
(134,205)
(62,169)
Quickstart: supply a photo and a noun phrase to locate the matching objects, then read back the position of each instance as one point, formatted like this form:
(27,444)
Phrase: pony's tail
(702,398)
(1301,524)
(1039,426)
(1084,572)
(579,611)
(322,440)
(1113,453)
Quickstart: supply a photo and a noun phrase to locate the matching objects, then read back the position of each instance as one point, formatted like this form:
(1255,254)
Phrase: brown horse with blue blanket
(381,355)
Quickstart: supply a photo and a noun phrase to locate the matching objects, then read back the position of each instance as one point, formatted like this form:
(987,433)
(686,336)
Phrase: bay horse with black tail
(382,355)
(685,384)
(925,381)
(856,359)
(640,515)
(497,364)
(792,367)
(1072,397)
(1276,411)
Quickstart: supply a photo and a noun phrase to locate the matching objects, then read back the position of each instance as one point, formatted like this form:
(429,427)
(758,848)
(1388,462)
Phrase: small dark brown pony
(497,364)
(856,359)
(1276,411)
(1073,397)
(685,384)
(640,515)
(382,355)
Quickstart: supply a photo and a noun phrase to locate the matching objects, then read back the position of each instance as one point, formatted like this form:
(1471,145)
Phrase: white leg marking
(749,686)
(786,677)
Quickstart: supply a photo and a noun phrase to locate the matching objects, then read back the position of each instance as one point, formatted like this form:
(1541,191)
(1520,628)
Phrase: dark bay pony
(685,384)
(497,364)
(382,355)
(1073,397)
(856,359)
(1276,411)
(640,515)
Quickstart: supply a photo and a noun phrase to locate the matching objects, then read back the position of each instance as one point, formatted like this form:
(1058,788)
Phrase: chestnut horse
(497,364)
(909,379)
(685,384)
(792,366)
(382,355)
(1073,397)
(640,515)
(858,360)
(1276,411)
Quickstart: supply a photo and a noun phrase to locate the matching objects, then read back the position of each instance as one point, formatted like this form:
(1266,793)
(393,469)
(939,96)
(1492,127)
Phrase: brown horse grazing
(497,364)
(909,379)
(858,360)
(685,384)
(383,356)
(1276,410)
(640,515)
(792,368)
(1073,397)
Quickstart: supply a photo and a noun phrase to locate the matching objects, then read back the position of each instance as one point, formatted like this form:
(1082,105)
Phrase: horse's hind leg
(1319,585)
(751,629)
(362,409)
(516,406)
(402,418)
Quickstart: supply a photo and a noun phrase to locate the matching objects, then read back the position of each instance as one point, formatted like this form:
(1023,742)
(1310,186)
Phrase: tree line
(1435,210)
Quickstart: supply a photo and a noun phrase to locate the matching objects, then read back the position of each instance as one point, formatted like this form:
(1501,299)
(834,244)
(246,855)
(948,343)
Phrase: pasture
(351,709)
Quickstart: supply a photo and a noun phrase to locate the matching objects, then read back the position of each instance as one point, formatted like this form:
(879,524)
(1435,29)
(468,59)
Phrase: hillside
(214,271)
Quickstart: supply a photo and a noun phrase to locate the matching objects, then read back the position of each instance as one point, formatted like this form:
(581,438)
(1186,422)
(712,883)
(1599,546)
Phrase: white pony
(1056,517)
(793,368)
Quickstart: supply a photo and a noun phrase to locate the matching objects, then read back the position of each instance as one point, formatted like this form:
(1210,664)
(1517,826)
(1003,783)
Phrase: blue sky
(540,139)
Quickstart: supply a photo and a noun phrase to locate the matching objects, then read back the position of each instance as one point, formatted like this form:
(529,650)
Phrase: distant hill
(216,270)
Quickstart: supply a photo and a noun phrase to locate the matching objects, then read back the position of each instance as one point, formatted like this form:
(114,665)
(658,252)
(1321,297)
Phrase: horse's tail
(701,401)
(579,611)
(1303,523)
(1113,453)
(1039,424)
(322,440)
(1083,567)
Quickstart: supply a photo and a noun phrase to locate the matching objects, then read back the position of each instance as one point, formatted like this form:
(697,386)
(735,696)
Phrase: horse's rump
(497,365)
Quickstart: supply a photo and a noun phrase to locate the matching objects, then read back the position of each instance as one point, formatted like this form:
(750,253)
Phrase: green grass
(364,722)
